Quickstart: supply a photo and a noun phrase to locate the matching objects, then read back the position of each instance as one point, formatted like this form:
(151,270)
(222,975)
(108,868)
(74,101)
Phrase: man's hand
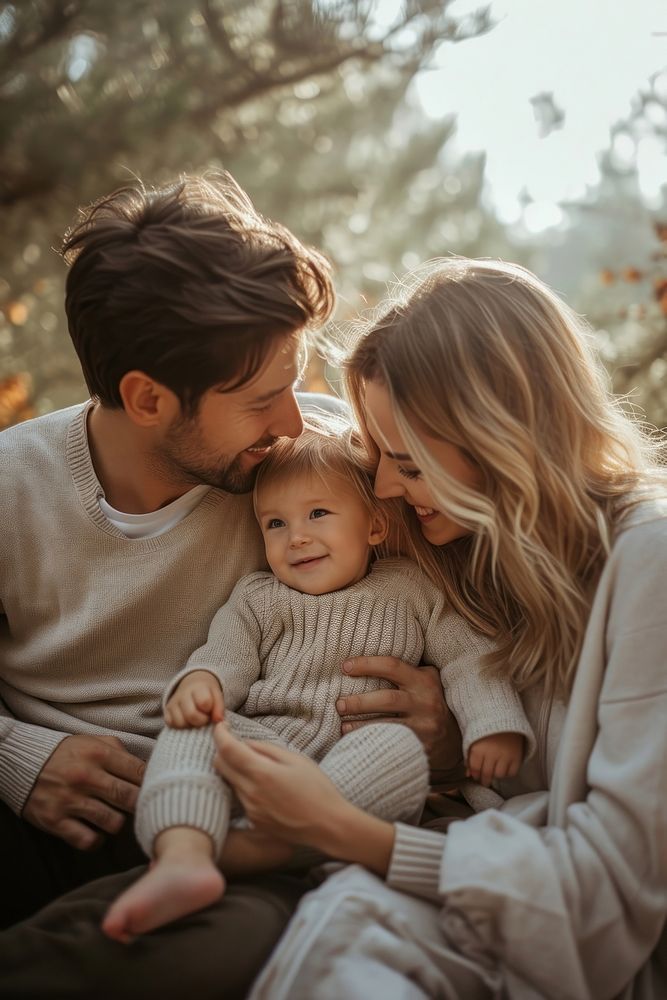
(88,781)
(197,701)
(497,756)
(417,700)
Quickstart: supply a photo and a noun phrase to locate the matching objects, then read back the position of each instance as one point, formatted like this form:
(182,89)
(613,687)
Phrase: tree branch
(54,26)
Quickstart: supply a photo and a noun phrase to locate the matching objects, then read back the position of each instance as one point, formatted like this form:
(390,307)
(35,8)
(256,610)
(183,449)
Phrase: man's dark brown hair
(187,283)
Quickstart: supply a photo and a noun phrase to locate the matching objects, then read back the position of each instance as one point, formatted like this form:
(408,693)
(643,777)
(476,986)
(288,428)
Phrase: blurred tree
(645,273)
(629,311)
(307,103)
(612,260)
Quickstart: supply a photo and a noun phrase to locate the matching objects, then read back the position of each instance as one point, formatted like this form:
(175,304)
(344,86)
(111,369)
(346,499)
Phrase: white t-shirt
(157,521)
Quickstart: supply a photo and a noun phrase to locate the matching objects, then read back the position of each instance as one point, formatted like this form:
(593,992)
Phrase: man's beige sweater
(278,656)
(93,625)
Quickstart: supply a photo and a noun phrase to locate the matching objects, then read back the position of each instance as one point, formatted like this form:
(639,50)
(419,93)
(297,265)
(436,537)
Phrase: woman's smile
(425,514)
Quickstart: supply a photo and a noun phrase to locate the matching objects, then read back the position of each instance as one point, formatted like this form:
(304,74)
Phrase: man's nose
(287,420)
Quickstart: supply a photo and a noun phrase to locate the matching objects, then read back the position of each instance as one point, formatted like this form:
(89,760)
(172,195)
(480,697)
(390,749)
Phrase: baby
(272,666)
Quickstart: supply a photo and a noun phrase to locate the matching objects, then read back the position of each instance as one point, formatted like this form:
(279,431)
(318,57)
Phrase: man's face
(231,432)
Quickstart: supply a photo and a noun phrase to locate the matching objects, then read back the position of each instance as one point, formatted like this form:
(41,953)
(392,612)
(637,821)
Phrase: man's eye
(318,512)
(409,473)
(275,522)
(262,409)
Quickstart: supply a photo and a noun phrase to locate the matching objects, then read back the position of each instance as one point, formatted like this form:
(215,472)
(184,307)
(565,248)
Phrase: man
(131,522)
(131,518)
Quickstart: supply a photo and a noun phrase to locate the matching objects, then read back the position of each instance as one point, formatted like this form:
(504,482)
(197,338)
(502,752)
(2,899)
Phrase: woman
(547,524)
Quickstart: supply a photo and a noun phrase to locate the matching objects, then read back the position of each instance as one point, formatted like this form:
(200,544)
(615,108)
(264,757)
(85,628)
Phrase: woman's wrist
(355,836)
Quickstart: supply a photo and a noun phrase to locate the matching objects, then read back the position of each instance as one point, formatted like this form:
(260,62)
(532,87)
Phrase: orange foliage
(15,404)
(16,312)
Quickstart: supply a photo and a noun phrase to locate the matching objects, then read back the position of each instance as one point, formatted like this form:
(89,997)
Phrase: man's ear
(379,527)
(147,402)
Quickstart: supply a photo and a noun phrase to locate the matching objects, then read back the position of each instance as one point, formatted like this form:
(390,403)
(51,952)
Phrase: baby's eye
(318,512)
(409,473)
(274,522)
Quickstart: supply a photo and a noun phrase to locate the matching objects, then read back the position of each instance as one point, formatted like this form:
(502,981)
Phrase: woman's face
(398,476)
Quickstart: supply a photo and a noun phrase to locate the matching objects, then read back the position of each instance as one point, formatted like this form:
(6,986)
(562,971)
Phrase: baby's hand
(196,701)
(497,756)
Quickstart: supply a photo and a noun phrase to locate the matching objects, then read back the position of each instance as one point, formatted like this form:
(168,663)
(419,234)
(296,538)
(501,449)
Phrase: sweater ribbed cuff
(477,729)
(24,751)
(416,860)
(201,802)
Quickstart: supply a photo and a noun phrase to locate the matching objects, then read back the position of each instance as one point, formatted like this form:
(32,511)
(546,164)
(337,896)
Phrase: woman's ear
(379,527)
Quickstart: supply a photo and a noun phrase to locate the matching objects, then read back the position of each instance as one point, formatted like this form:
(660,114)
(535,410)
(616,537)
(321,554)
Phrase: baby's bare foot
(172,888)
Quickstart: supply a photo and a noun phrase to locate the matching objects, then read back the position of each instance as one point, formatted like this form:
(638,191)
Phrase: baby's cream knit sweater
(278,655)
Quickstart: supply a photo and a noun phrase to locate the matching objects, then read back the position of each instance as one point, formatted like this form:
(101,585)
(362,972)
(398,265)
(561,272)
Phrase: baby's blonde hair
(329,447)
(483,355)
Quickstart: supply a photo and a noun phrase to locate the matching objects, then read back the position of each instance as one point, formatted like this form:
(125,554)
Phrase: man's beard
(182,459)
(232,477)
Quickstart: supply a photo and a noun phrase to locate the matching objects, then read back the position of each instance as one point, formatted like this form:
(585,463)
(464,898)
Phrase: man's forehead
(262,397)
(280,370)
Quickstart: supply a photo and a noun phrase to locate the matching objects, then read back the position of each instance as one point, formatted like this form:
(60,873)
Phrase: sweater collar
(86,482)
(89,488)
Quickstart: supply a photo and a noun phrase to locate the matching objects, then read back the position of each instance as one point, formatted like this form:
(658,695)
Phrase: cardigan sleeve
(231,651)
(580,902)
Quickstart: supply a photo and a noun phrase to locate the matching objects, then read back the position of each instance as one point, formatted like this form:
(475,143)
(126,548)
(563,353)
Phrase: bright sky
(593,55)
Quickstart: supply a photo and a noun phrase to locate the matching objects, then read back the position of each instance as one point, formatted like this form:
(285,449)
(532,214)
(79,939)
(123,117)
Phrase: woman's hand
(417,701)
(287,796)
(283,793)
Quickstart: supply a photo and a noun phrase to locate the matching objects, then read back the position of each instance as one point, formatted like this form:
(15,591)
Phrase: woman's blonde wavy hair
(483,355)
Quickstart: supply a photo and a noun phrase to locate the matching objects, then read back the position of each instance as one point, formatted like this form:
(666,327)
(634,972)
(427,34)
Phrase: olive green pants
(60,951)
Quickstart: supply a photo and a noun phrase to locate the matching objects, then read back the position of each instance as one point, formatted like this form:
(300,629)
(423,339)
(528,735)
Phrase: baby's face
(317,534)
